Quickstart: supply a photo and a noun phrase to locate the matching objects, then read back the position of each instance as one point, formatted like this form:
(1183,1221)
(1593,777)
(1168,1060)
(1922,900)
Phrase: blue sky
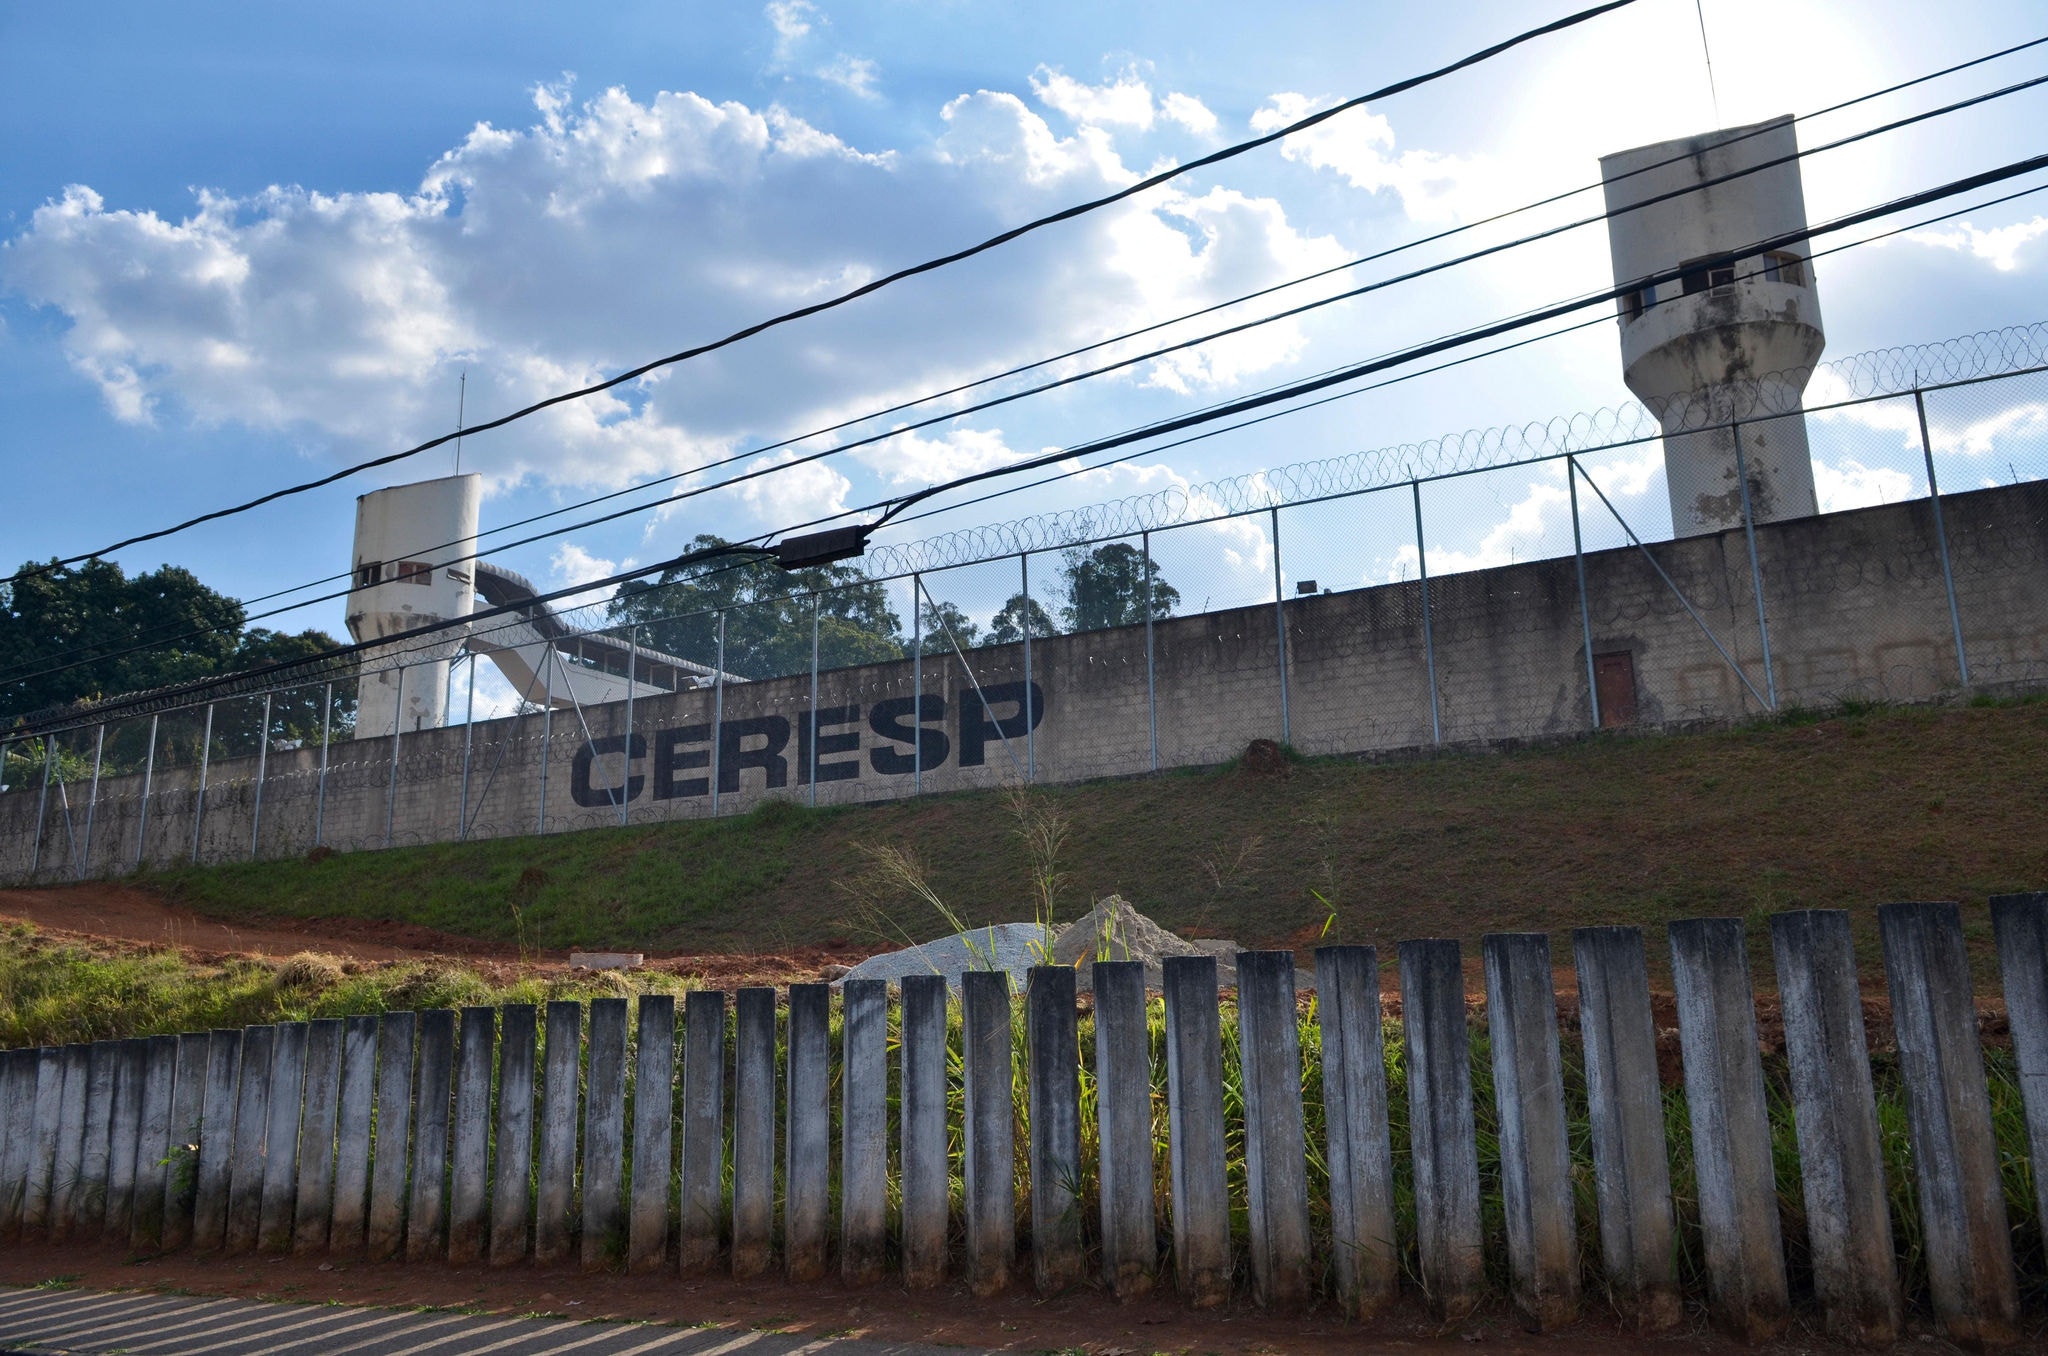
(241,245)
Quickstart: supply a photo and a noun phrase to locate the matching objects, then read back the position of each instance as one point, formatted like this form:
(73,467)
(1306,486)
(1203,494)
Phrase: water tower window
(368,573)
(1781,267)
(415,572)
(1706,277)
(1633,304)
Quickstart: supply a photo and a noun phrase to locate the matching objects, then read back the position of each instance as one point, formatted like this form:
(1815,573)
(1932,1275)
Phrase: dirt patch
(1083,1321)
(1263,760)
(118,913)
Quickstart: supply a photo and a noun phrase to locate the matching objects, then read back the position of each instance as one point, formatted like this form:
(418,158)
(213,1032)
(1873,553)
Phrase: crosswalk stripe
(9,1325)
(98,1326)
(605,1332)
(269,1315)
(375,1319)
(427,1326)
(454,1337)
(535,1335)
(739,1343)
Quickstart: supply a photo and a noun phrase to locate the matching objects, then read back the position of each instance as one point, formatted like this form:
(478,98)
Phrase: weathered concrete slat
(512,1170)
(654,1072)
(1195,1135)
(2020,923)
(1535,1151)
(69,1156)
(926,1193)
(218,1103)
(753,1131)
(313,1202)
(384,1234)
(703,1123)
(469,1155)
(988,1087)
(426,1207)
(1441,1134)
(1360,1152)
(153,1142)
(17,1132)
(1276,1165)
(1948,1112)
(281,1137)
(1123,1117)
(1054,1088)
(39,1183)
(1841,1154)
(807,1138)
(252,1126)
(554,1188)
(96,1152)
(1631,1167)
(1731,1128)
(864,1130)
(354,1116)
(604,1134)
(187,1123)
(131,1067)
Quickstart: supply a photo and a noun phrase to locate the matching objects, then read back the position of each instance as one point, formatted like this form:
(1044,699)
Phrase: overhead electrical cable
(889,279)
(1103,343)
(1132,360)
(895,505)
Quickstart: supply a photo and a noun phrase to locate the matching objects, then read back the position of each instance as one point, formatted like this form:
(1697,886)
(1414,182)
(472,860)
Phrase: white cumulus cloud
(1359,145)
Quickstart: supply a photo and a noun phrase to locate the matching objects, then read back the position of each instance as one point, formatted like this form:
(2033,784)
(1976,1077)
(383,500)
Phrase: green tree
(1105,587)
(767,614)
(1007,626)
(940,618)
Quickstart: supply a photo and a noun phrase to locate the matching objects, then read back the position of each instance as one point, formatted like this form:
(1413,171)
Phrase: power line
(1103,343)
(1145,433)
(1129,361)
(889,279)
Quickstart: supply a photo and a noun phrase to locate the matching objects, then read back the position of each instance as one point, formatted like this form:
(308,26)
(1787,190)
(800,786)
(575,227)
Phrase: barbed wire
(1876,374)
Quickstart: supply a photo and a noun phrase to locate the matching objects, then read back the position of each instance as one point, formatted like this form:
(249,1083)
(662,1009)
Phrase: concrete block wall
(259,1140)
(1855,605)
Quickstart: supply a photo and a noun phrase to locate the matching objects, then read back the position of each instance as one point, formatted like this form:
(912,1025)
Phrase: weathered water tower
(412,569)
(1722,343)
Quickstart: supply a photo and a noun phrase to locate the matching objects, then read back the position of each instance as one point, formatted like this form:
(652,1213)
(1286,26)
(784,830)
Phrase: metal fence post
(1948,578)
(917,683)
(35,856)
(811,773)
(1031,706)
(468,742)
(1436,721)
(718,715)
(142,812)
(547,731)
(1151,678)
(1571,473)
(262,766)
(1280,627)
(326,738)
(92,801)
(1756,579)
(397,729)
(205,760)
(626,755)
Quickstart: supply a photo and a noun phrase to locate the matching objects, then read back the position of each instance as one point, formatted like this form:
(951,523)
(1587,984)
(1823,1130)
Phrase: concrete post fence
(490,1136)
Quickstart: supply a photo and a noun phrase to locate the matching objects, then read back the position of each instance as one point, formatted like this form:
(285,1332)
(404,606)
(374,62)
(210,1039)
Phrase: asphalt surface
(59,1322)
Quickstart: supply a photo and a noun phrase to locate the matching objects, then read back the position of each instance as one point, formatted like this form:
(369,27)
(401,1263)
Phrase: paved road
(50,1322)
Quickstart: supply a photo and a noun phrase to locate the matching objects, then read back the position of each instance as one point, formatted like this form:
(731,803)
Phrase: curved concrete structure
(1722,343)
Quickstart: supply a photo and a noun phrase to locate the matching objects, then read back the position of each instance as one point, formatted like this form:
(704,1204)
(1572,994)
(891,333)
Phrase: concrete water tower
(412,569)
(1722,343)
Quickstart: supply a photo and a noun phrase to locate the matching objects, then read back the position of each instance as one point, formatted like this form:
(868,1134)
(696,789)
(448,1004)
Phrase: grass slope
(1847,811)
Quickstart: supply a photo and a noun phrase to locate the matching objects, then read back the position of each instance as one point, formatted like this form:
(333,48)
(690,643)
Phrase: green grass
(1848,809)
(54,992)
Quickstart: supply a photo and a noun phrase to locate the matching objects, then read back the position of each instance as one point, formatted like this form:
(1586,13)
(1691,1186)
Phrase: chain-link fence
(1494,586)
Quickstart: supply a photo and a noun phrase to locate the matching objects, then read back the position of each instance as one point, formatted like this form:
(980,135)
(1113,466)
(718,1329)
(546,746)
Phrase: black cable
(1722,259)
(1381,284)
(815,308)
(1102,343)
(1224,409)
